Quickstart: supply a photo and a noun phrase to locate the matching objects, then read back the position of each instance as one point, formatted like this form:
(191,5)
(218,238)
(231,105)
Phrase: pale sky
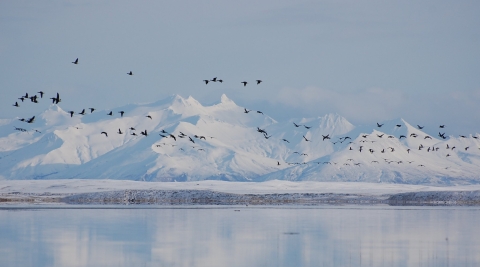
(368,61)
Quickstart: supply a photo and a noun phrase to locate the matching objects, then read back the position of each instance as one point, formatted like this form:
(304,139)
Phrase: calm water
(325,236)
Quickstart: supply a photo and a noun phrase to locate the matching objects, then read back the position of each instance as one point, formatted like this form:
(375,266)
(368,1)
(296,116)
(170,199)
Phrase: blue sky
(366,60)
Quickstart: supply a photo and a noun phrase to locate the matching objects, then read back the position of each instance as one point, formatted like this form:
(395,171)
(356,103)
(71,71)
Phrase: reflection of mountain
(226,145)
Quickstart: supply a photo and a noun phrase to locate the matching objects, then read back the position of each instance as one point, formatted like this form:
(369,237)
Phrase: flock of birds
(366,138)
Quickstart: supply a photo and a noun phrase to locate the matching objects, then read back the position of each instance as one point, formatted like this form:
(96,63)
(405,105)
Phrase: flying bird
(246,111)
(296,125)
(173,136)
(442,126)
(144,133)
(31,120)
(131,128)
(221,81)
(105,133)
(325,137)
(71,113)
(244,83)
(206,81)
(130,73)
(148,116)
(41,94)
(121,113)
(22,98)
(420,127)
(258,82)
(308,127)
(119,131)
(286,140)
(75,62)
(214,79)
(16,104)
(379,125)
(305,138)
(191,140)
(110,113)
(258,111)
(92,110)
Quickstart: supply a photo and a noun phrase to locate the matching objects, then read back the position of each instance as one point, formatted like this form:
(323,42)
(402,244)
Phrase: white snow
(57,146)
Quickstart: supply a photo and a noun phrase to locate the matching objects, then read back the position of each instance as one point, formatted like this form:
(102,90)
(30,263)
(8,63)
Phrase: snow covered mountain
(178,139)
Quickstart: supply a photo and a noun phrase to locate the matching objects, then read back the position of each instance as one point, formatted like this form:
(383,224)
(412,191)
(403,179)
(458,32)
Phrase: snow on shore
(229,193)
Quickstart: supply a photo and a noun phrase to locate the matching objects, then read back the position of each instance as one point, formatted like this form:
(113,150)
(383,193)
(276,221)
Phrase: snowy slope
(226,145)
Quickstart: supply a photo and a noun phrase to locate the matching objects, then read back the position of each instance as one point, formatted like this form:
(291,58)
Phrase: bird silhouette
(214,79)
(296,125)
(105,133)
(191,140)
(379,125)
(325,137)
(55,100)
(92,110)
(246,111)
(258,82)
(144,133)
(121,113)
(119,131)
(286,140)
(16,104)
(173,136)
(22,98)
(308,127)
(71,113)
(41,94)
(305,138)
(278,163)
(221,81)
(258,111)
(76,61)
(83,112)
(148,116)
(442,126)
(244,83)
(398,125)
(110,113)
(134,134)
(131,128)
(420,127)
(31,120)
(130,73)
(402,136)
(206,81)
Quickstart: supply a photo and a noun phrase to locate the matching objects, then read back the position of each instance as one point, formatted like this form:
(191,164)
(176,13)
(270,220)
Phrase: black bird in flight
(110,113)
(105,133)
(442,126)
(258,82)
(191,140)
(246,111)
(25,96)
(286,140)
(305,138)
(308,127)
(56,100)
(41,94)
(398,125)
(121,113)
(420,127)
(130,73)
(258,111)
(31,120)
(92,110)
(131,128)
(76,61)
(22,98)
(221,81)
(296,125)
(214,79)
(71,113)
(148,116)
(206,81)
(379,125)
(83,112)
(144,133)
(16,104)
(325,137)
(173,136)
(119,131)
(244,83)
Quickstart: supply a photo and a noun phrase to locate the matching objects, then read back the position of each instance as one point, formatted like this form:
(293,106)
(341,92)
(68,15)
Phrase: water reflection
(356,236)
